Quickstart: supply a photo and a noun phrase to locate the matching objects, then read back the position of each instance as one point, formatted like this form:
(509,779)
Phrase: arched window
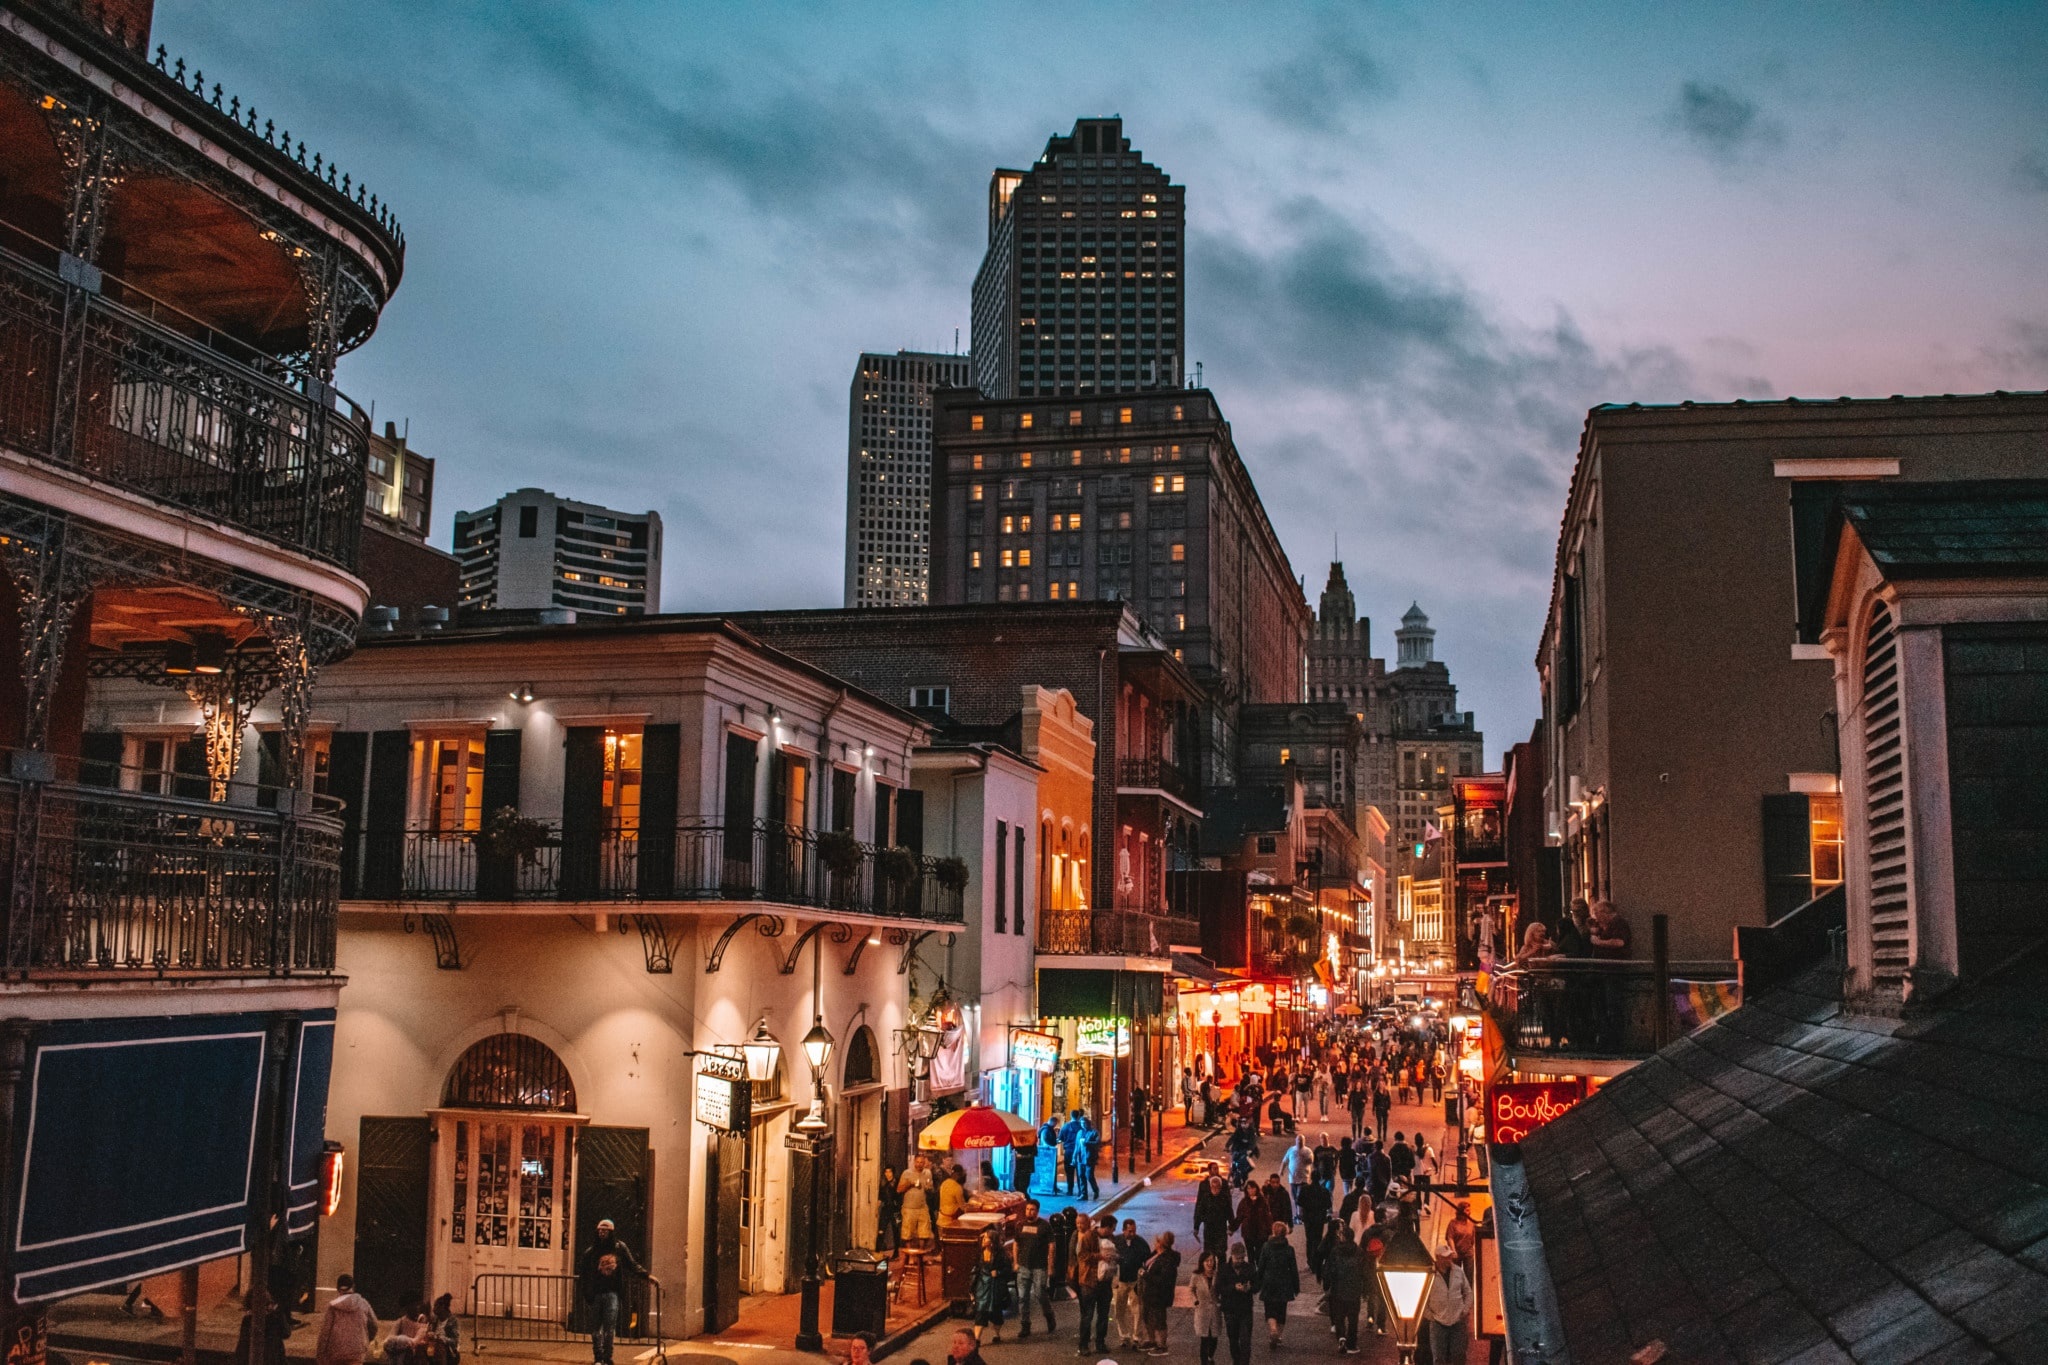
(510,1071)
(863,1059)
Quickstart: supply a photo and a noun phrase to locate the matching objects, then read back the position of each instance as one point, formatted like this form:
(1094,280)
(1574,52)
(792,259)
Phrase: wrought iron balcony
(103,881)
(107,391)
(1605,1010)
(699,860)
(1157,774)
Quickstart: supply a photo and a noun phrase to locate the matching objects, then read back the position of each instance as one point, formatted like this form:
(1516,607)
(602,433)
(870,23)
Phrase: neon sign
(1515,1110)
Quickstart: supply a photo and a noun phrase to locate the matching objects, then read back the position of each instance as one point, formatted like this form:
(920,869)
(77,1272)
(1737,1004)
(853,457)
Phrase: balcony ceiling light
(210,654)
(178,659)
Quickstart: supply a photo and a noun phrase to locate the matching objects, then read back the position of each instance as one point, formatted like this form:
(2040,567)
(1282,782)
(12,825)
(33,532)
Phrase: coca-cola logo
(1513,1111)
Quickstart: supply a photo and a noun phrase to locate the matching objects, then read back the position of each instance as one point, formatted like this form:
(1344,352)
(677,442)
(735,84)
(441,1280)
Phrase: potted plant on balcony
(951,873)
(508,836)
(840,852)
(899,868)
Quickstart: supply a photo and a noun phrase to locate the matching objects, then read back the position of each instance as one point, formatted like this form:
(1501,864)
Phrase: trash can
(860,1294)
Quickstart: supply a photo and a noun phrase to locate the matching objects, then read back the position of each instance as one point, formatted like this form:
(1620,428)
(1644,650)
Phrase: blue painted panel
(313,1066)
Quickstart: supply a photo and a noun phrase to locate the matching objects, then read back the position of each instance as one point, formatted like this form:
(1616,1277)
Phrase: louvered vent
(1891,901)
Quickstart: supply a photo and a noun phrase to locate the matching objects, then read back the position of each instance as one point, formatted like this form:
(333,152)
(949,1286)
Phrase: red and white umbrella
(976,1128)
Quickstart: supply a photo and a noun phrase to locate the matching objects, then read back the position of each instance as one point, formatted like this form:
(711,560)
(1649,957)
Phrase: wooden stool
(912,1263)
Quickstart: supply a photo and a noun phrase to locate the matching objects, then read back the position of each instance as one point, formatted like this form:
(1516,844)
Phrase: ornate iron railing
(1157,774)
(95,386)
(1067,930)
(698,860)
(1593,1008)
(101,880)
(530,1307)
(1142,934)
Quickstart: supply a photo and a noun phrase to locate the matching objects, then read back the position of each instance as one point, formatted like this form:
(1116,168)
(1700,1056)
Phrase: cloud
(2030,172)
(1317,90)
(1723,125)
(1363,377)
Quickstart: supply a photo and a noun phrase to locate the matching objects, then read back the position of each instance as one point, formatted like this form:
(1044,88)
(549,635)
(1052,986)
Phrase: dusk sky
(646,243)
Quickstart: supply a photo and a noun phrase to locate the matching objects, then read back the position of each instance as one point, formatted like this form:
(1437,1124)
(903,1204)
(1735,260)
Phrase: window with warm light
(1076,460)
(977,461)
(1024,559)
(974,559)
(1023,459)
(1009,559)
(1009,526)
(1180,552)
(448,783)
(974,423)
(1123,416)
(1024,421)
(621,792)
(974,493)
(1825,812)
(1074,418)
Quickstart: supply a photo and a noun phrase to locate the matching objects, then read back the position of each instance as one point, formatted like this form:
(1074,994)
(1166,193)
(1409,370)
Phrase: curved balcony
(152,411)
(697,861)
(105,882)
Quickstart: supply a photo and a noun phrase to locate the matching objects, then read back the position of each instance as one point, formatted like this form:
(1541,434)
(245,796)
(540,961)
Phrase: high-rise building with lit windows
(889,474)
(531,551)
(1080,291)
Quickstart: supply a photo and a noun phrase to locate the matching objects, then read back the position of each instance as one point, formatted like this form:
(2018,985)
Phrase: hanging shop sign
(1102,1038)
(1285,996)
(1034,1051)
(725,1099)
(1256,998)
(1518,1108)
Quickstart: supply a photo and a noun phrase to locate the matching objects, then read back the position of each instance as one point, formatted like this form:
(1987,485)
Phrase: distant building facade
(888,474)
(1080,290)
(531,551)
(1692,734)
(1142,499)
(398,491)
(1415,740)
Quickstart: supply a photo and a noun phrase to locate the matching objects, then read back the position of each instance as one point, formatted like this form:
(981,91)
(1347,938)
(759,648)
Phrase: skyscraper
(1080,290)
(531,550)
(888,474)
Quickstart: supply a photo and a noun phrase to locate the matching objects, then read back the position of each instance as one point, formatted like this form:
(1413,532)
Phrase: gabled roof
(1794,1183)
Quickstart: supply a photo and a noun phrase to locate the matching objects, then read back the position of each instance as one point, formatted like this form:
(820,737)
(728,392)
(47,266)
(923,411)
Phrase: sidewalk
(1176,1142)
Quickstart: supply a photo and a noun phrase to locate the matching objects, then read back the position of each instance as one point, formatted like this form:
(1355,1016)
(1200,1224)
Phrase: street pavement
(1168,1204)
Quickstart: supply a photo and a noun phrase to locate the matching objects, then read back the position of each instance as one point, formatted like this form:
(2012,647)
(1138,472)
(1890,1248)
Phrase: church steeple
(1415,639)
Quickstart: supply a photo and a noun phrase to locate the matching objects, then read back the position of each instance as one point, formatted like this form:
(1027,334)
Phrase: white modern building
(533,551)
(888,474)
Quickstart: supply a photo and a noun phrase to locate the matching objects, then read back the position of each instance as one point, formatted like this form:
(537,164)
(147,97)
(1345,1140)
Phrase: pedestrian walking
(1158,1280)
(1324,1088)
(1063,1226)
(1034,1266)
(1298,1164)
(1023,1168)
(1236,1296)
(1344,1283)
(1382,1109)
(1254,1220)
(1279,1201)
(1279,1281)
(1312,1211)
(1449,1308)
(1141,1116)
(965,1350)
(1202,1288)
(1126,1307)
(1212,1214)
(347,1326)
(993,1275)
(1095,1262)
(1090,1150)
(1357,1103)
(1401,1157)
(1347,1162)
(604,1271)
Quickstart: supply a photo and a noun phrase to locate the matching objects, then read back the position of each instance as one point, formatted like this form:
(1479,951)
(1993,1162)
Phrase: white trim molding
(1872,467)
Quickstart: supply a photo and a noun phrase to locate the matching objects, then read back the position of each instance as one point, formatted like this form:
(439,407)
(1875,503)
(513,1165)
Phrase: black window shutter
(269,767)
(1017,919)
(582,810)
(188,762)
(348,760)
(910,820)
(741,754)
(99,753)
(498,877)
(1002,882)
(1788,854)
(842,801)
(384,814)
(884,799)
(661,750)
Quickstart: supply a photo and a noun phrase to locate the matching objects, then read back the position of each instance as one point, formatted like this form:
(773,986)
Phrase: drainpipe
(825,755)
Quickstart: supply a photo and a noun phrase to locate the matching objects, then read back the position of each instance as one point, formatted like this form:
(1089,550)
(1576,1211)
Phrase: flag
(1430,833)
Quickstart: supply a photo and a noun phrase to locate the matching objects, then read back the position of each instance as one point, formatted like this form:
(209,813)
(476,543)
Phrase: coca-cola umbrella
(978,1127)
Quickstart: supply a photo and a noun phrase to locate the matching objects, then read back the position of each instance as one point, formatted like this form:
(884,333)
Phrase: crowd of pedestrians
(1317,1220)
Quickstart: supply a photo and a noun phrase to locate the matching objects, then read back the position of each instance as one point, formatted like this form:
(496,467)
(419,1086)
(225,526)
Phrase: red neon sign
(1513,1111)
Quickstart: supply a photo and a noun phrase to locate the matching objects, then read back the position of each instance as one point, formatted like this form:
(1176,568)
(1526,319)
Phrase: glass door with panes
(621,797)
(506,1187)
(447,810)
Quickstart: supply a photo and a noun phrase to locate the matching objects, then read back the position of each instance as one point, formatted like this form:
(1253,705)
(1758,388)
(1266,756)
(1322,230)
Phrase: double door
(508,1185)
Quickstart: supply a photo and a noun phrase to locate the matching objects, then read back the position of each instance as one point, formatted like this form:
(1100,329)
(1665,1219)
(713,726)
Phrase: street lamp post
(813,1137)
(1405,1271)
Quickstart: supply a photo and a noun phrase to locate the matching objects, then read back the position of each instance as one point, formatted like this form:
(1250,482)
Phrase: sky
(648,241)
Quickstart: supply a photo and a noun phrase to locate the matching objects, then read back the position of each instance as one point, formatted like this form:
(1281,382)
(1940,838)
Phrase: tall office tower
(889,474)
(1080,291)
(1142,499)
(532,550)
(398,492)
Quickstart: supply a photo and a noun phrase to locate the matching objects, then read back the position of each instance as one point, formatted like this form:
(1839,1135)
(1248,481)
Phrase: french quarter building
(1691,732)
(533,551)
(888,474)
(1140,498)
(181,501)
(1414,740)
(1080,290)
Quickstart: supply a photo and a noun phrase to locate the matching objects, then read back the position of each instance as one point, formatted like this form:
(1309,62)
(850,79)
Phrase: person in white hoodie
(347,1326)
(1447,1315)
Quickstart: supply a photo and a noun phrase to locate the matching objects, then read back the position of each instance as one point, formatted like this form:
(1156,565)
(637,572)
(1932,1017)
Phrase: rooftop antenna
(1198,374)
(956,341)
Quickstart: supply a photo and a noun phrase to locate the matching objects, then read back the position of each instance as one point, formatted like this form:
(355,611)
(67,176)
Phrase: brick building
(1141,499)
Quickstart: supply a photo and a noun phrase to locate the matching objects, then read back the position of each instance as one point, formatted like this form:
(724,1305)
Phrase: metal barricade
(505,1306)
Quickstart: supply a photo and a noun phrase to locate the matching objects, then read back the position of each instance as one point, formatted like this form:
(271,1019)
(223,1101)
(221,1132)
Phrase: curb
(1136,1182)
(910,1331)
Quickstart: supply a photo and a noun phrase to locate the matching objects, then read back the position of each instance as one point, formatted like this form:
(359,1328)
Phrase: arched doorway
(505,1144)
(861,1087)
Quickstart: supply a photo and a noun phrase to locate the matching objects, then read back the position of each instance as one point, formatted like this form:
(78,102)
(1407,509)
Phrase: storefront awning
(1091,993)
(1195,967)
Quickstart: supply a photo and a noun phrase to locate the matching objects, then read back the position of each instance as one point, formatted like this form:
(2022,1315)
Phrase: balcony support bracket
(770,926)
(656,943)
(441,929)
(910,949)
(860,945)
(787,966)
